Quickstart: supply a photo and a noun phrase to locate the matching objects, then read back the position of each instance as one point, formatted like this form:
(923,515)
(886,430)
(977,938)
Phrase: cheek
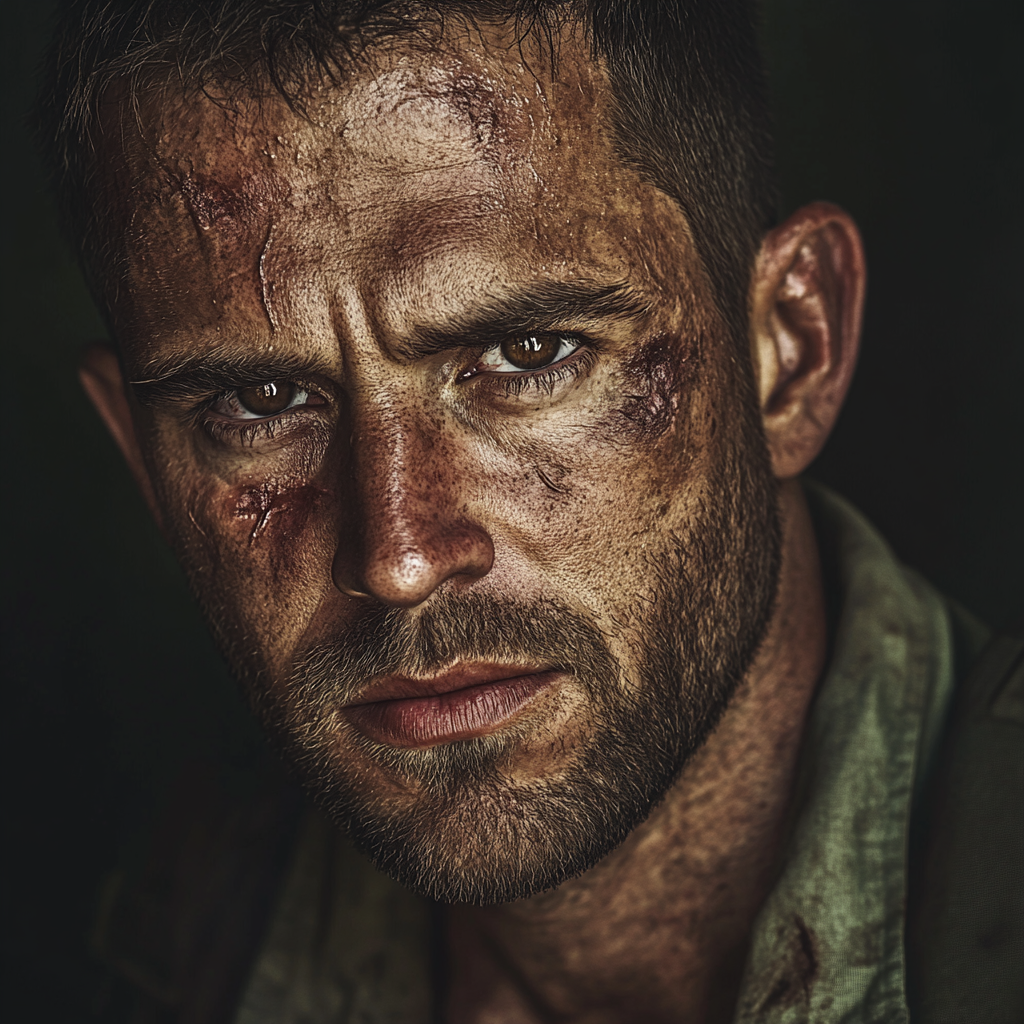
(593,502)
(273,516)
(256,544)
(252,517)
(259,555)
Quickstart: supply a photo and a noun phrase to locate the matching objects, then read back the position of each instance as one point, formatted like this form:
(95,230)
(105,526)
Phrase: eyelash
(247,432)
(546,379)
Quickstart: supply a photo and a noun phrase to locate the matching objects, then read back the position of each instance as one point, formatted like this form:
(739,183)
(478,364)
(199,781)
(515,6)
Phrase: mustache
(452,628)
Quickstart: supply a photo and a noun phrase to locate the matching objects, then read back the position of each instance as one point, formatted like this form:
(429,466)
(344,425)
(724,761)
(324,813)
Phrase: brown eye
(266,399)
(532,351)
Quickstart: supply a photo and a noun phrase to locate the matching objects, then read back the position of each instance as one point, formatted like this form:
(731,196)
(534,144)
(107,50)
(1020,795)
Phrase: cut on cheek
(272,514)
(258,555)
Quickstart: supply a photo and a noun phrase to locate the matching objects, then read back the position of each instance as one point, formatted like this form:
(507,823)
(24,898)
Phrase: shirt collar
(828,943)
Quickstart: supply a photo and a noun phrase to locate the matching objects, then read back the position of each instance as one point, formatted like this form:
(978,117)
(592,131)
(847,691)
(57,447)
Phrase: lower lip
(458,715)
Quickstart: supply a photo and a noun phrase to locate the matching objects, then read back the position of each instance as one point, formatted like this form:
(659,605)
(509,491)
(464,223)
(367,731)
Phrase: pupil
(531,352)
(266,399)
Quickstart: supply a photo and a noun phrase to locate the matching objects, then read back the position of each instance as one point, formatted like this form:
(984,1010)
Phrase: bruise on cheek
(282,512)
(655,378)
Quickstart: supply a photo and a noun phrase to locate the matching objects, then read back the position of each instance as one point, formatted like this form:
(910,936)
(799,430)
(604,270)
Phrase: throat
(658,931)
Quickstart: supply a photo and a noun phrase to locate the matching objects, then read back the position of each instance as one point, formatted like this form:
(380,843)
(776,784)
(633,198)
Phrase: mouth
(464,702)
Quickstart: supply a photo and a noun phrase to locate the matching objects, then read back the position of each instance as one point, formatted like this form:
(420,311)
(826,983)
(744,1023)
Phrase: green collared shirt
(348,945)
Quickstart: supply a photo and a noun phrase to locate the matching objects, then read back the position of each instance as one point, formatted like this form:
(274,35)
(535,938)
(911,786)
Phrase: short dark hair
(690,99)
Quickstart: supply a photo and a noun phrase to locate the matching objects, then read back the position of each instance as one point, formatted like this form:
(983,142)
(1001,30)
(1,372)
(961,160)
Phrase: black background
(908,113)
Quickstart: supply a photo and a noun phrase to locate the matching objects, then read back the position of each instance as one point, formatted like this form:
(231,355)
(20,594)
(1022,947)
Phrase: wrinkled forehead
(400,112)
(469,149)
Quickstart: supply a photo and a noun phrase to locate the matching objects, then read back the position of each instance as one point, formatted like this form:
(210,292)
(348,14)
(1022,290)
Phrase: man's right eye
(263,400)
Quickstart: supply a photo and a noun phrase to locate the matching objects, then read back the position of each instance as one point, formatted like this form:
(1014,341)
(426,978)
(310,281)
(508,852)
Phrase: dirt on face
(373,260)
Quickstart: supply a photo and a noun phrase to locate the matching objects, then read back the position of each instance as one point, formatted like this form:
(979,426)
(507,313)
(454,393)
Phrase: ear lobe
(807,296)
(103,381)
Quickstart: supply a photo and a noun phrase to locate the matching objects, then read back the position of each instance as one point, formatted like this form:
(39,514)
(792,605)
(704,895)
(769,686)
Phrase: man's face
(454,447)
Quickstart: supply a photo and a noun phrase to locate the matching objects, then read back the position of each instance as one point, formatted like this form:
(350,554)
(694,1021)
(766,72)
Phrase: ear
(807,295)
(103,380)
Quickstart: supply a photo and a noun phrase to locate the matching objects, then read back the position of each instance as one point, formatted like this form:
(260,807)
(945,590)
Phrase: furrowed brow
(544,307)
(169,379)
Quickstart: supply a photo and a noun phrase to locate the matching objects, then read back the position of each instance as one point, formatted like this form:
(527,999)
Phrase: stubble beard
(452,825)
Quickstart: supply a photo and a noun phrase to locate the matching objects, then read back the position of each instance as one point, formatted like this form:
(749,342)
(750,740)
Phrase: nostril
(346,578)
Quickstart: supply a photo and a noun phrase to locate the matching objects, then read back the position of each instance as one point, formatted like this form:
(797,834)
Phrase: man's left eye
(528,352)
(262,401)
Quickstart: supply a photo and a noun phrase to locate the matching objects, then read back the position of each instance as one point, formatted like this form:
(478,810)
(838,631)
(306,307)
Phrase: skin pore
(377,260)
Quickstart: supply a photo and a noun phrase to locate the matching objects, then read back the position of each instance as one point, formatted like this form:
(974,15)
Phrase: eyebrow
(544,306)
(177,378)
(540,307)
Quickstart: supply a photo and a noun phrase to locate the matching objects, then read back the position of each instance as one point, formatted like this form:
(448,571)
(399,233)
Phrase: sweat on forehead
(681,89)
(487,86)
(476,93)
(414,164)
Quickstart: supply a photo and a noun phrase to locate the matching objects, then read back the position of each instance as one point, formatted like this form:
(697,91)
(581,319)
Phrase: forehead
(431,174)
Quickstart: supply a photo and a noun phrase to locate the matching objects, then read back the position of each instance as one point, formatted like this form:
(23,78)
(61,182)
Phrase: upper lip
(458,677)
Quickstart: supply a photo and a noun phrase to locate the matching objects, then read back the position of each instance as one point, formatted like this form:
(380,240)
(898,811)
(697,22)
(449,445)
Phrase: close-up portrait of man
(469,361)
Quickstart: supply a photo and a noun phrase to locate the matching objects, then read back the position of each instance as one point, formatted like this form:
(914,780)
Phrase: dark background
(908,113)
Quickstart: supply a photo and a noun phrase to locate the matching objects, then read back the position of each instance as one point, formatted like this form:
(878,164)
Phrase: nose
(407,531)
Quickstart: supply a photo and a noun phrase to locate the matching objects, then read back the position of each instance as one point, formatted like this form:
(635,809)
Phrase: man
(462,363)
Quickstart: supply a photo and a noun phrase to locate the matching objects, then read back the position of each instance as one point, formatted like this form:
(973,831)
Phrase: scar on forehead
(472,104)
(232,204)
(475,99)
(237,212)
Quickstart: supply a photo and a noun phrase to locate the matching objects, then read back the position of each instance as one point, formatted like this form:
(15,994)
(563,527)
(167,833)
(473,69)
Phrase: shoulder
(965,934)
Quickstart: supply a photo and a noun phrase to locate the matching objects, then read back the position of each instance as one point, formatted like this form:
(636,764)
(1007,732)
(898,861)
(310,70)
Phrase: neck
(659,930)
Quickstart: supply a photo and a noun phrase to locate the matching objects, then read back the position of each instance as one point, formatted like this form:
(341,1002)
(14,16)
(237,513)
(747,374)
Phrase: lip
(464,702)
